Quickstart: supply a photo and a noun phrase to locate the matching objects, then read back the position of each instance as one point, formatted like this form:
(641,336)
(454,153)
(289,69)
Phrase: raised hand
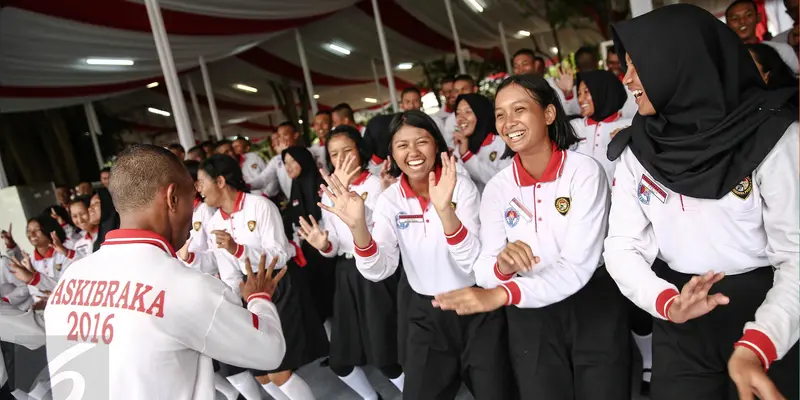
(694,301)
(461,142)
(311,233)
(566,78)
(183,253)
(386,178)
(747,372)
(516,257)
(347,205)
(56,217)
(225,241)
(346,169)
(56,243)
(22,270)
(262,281)
(471,300)
(441,193)
(7,238)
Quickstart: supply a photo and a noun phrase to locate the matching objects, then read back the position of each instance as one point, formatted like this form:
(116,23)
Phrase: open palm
(347,205)
(311,233)
(441,193)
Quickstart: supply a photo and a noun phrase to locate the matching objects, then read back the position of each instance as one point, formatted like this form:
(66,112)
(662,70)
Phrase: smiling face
(632,82)
(521,121)
(226,149)
(466,118)
(613,64)
(411,101)
(240,147)
(36,236)
(523,64)
(341,146)
(742,18)
(293,168)
(104,178)
(95,210)
(414,151)
(322,125)
(585,100)
(447,92)
(210,189)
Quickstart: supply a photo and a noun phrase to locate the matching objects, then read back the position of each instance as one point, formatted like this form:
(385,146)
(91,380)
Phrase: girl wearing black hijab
(305,194)
(601,97)
(376,139)
(477,144)
(707,182)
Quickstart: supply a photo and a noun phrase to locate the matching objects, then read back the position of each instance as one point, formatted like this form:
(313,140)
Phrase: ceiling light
(554,50)
(152,85)
(475,5)
(245,88)
(108,61)
(339,49)
(237,120)
(405,66)
(523,33)
(316,96)
(157,111)
(370,100)
(300,121)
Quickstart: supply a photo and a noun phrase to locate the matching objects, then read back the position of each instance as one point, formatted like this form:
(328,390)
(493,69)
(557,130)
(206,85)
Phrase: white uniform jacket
(595,137)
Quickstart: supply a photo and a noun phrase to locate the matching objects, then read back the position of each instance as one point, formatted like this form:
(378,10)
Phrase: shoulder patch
(58,267)
(251,225)
(743,188)
(254,166)
(492,156)
(364,196)
(197,225)
(562,205)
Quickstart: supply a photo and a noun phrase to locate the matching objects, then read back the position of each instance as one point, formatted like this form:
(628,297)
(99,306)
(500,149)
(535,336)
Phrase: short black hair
(226,167)
(176,146)
(525,52)
(465,77)
(611,50)
(447,79)
(410,89)
(106,169)
(539,59)
(364,153)
(287,123)
(560,131)
(85,200)
(222,143)
(140,172)
(417,119)
(735,2)
(323,112)
(199,151)
(206,143)
(243,139)
(588,50)
(62,212)
(48,225)
(192,166)
(344,110)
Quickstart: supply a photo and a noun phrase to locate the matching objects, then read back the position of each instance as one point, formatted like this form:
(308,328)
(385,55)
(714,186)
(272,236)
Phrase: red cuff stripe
(513,292)
(35,280)
(260,295)
(466,156)
(761,344)
(368,251)
(328,249)
(664,301)
(500,275)
(70,254)
(191,258)
(239,251)
(570,96)
(255,320)
(458,236)
(5,299)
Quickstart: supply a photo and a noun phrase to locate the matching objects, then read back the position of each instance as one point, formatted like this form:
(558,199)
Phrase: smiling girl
(477,144)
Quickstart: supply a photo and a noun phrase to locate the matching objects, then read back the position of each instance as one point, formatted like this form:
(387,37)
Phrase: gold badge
(492,156)
(197,225)
(58,267)
(364,196)
(562,205)
(251,225)
(453,205)
(743,189)
(254,166)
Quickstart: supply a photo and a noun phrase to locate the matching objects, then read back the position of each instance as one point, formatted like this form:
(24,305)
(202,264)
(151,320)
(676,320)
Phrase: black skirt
(319,273)
(403,301)
(364,325)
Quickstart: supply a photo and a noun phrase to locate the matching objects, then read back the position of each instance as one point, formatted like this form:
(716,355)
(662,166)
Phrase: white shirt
(450,130)
(753,226)
(482,166)
(407,226)
(158,322)
(12,290)
(785,51)
(563,218)
(274,176)
(200,217)
(84,245)
(595,137)
(320,155)
(256,226)
(440,117)
(49,269)
(367,186)
(251,164)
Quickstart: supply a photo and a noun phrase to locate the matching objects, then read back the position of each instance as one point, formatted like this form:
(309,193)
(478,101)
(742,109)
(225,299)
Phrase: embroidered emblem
(58,267)
(254,166)
(453,205)
(492,156)
(401,224)
(562,205)
(364,196)
(644,194)
(251,225)
(512,217)
(744,188)
(654,188)
(197,225)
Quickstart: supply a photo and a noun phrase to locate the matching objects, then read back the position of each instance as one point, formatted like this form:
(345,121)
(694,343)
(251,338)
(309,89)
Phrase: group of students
(503,246)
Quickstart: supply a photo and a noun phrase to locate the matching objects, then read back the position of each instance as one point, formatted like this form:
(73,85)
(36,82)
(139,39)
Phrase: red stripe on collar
(611,118)
(197,202)
(407,192)
(39,257)
(237,206)
(488,139)
(361,178)
(377,160)
(138,236)
(551,173)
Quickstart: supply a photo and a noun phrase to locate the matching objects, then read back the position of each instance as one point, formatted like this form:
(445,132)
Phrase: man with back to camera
(160,322)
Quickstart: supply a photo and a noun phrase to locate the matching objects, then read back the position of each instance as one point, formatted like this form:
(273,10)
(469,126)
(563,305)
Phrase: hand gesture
(56,243)
(311,233)
(461,143)
(694,301)
(441,193)
(566,79)
(386,178)
(56,217)
(347,205)
(748,374)
(261,282)
(516,257)
(22,270)
(7,238)
(225,241)
(346,169)
(183,253)
(471,300)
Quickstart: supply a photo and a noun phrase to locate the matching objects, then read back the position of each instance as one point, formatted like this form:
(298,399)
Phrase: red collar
(551,173)
(361,178)
(237,206)
(93,234)
(241,161)
(39,257)
(377,160)
(488,139)
(407,192)
(610,118)
(138,236)
(197,202)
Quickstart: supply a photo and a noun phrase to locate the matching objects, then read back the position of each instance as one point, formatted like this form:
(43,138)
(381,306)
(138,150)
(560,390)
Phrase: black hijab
(484,115)
(109,219)
(608,93)
(377,136)
(716,121)
(305,188)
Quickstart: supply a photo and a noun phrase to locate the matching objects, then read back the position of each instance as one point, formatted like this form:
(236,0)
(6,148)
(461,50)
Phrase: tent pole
(197,114)
(639,7)
(94,130)
(306,73)
(385,52)
(504,45)
(212,104)
(377,79)
(459,56)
